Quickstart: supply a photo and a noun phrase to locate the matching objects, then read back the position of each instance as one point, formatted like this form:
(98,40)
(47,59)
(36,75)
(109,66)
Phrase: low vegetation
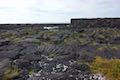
(109,68)
(11,73)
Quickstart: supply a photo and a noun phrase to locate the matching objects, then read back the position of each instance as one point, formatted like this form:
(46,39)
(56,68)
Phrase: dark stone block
(96,23)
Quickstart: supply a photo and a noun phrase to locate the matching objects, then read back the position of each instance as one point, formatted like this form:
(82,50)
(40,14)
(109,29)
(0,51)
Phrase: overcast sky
(46,11)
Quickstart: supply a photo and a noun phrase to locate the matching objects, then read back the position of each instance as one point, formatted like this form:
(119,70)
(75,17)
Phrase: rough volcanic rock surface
(32,54)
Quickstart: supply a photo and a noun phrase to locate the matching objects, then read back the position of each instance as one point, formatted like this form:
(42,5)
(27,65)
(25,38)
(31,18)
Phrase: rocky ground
(65,54)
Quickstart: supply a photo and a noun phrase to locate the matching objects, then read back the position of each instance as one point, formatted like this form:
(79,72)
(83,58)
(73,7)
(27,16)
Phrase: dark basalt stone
(4,42)
(115,40)
(81,67)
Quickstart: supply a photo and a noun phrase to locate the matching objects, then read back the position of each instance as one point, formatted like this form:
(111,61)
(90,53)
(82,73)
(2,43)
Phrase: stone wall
(41,26)
(13,26)
(96,22)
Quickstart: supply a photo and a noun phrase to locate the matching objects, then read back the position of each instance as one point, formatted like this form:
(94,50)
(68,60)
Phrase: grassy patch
(109,68)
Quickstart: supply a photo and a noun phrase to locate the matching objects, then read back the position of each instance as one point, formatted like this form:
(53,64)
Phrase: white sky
(45,11)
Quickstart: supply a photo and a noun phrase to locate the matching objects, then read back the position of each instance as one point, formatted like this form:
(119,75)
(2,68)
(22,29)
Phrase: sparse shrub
(11,73)
(52,55)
